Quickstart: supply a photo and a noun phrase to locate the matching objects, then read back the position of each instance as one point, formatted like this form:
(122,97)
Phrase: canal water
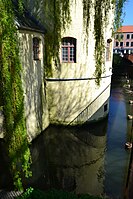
(89,159)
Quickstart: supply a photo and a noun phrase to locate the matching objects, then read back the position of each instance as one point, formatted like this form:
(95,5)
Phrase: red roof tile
(125,29)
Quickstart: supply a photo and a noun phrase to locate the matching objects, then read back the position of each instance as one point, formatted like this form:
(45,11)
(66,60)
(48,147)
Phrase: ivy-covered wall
(91,23)
(16,141)
(33,82)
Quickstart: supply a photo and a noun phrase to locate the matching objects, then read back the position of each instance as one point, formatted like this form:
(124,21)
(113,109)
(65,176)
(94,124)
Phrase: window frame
(68,50)
(36,48)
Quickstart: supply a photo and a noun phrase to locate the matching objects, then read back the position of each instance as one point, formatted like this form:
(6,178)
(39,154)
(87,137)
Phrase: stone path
(9,194)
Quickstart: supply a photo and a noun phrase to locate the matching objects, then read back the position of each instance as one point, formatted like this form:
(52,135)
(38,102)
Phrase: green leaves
(101,16)
(12,92)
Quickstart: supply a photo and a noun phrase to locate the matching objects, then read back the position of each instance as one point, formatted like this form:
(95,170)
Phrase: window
(128,36)
(69,49)
(131,43)
(121,43)
(132,36)
(121,36)
(127,43)
(36,48)
(117,43)
(117,36)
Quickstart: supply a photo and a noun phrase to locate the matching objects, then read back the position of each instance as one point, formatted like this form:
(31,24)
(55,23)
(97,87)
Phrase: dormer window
(36,48)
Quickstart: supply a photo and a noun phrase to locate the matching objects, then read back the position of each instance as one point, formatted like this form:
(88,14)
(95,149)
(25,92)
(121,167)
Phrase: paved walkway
(9,194)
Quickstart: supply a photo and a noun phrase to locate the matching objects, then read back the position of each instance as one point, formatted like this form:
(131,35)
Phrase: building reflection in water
(71,159)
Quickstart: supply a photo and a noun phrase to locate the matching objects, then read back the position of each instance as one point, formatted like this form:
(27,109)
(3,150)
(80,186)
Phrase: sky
(128,10)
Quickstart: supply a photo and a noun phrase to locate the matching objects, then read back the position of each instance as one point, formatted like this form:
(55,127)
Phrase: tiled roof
(126,29)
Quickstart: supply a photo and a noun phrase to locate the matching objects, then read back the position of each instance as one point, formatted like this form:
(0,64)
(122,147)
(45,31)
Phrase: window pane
(121,36)
(128,36)
(116,37)
(127,43)
(72,54)
(117,43)
(36,48)
(121,43)
(64,54)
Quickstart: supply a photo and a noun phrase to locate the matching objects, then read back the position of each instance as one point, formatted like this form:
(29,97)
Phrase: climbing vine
(61,10)
(12,96)
(101,16)
(61,18)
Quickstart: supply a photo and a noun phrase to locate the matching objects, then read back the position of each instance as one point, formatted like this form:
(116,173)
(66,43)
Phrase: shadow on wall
(34,88)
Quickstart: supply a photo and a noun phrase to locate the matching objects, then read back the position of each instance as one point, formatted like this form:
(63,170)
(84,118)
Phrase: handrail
(88,106)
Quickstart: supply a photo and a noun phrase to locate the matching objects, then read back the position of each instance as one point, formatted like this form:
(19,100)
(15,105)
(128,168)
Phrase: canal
(89,159)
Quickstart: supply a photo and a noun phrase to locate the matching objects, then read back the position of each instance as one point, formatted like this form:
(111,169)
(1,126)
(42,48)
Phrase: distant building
(123,42)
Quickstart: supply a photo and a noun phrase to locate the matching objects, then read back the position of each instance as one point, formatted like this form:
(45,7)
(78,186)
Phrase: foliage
(62,18)
(117,59)
(119,4)
(101,16)
(12,96)
(53,194)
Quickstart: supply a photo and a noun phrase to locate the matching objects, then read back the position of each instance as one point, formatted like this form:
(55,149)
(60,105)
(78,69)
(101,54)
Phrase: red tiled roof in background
(126,29)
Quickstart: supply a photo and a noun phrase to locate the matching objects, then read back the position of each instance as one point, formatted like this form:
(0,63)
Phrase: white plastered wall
(36,112)
(71,90)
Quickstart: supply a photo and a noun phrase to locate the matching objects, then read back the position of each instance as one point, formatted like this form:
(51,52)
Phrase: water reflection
(88,159)
(116,161)
(70,158)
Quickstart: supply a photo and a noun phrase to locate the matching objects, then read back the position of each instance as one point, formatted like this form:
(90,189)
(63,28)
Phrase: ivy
(62,18)
(12,92)
(119,4)
(101,16)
